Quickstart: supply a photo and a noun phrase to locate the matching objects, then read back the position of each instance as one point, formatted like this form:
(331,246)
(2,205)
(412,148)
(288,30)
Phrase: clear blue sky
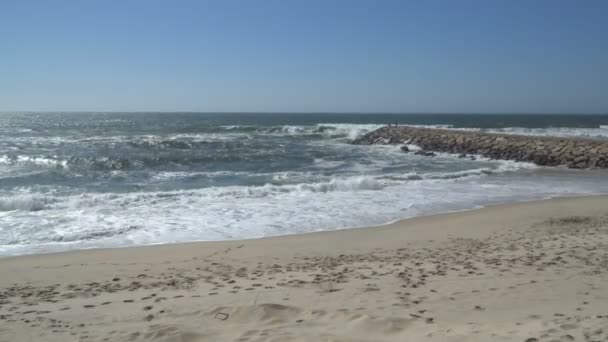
(266,55)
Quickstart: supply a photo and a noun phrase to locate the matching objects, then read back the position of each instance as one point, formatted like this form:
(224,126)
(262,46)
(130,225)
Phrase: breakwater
(548,151)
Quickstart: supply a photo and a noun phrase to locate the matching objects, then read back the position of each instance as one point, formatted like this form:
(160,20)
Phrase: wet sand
(533,271)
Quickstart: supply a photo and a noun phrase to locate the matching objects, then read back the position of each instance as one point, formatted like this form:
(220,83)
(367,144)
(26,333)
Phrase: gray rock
(549,151)
(425,153)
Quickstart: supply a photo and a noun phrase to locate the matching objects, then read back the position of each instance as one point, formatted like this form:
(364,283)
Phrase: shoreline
(505,272)
(397,221)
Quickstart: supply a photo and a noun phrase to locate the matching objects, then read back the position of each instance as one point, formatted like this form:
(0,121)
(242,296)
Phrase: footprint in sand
(569,326)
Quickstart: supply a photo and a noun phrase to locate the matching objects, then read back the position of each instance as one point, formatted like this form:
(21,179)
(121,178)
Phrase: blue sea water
(84,180)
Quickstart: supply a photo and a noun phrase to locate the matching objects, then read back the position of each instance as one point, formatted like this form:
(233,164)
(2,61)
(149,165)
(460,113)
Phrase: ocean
(89,180)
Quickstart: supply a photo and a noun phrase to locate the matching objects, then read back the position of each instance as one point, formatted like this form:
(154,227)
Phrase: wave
(75,163)
(178,150)
(217,133)
(349,184)
(88,235)
(213,137)
(33,160)
(37,202)
(555,132)
(599,133)
(437,126)
(133,163)
(350,131)
(26,202)
(502,167)
(37,222)
(445,175)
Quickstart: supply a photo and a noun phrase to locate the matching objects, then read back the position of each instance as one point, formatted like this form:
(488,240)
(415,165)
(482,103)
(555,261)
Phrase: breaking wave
(336,130)
(81,181)
(600,132)
(26,202)
(37,202)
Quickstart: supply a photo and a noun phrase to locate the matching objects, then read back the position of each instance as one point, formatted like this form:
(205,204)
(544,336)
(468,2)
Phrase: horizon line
(290,112)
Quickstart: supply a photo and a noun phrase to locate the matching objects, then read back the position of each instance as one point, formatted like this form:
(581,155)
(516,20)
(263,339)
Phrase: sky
(485,56)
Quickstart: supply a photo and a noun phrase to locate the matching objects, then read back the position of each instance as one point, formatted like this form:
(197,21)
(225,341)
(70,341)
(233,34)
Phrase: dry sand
(521,272)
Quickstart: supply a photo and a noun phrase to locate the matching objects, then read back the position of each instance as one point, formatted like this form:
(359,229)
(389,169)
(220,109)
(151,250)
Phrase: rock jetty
(548,151)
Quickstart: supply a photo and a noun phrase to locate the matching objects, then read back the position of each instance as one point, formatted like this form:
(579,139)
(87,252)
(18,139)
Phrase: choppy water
(84,180)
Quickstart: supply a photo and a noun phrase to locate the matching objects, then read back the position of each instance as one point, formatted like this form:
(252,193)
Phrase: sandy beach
(534,271)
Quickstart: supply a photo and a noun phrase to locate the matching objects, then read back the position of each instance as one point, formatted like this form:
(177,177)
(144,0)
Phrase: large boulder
(425,153)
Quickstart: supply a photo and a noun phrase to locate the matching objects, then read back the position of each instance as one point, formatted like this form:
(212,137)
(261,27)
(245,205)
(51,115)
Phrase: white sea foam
(351,131)
(601,132)
(25,202)
(231,132)
(47,222)
(332,185)
(40,161)
(228,133)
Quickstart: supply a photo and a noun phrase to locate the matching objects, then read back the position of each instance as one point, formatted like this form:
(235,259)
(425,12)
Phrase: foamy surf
(601,132)
(123,180)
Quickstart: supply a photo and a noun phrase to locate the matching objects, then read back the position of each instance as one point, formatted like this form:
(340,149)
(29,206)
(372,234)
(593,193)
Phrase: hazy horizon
(286,112)
(478,57)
